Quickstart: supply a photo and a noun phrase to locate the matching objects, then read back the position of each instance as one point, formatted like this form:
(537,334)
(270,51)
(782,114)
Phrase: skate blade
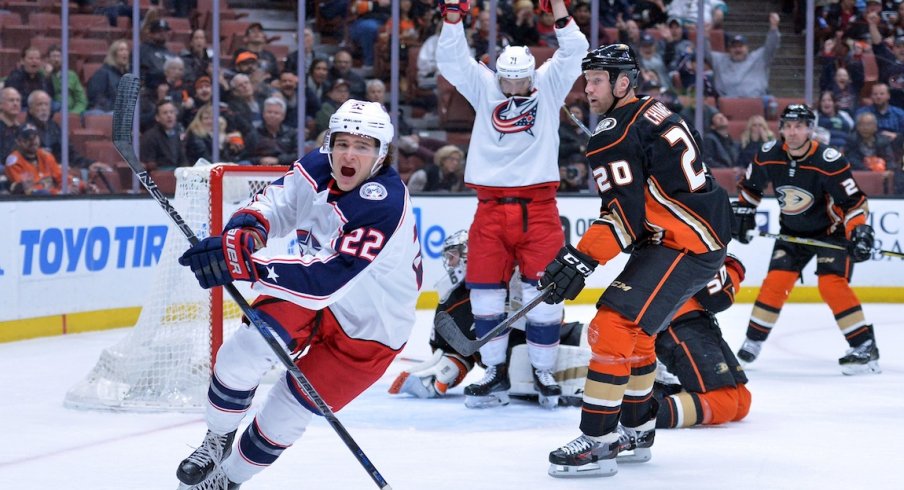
(603,468)
(871,367)
(412,385)
(638,455)
(489,401)
(548,402)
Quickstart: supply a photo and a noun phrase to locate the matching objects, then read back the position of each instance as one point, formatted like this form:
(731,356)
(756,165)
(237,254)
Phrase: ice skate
(491,391)
(636,442)
(584,457)
(215,481)
(863,359)
(197,466)
(548,390)
(749,351)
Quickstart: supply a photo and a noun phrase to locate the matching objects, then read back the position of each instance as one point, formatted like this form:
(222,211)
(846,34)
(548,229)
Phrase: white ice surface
(809,427)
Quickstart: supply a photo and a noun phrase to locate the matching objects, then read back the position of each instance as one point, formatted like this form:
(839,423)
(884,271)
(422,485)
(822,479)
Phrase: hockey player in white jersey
(343,308)
(513,166)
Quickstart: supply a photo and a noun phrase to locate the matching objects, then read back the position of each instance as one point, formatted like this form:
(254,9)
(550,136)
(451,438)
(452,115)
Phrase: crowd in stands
(346,55)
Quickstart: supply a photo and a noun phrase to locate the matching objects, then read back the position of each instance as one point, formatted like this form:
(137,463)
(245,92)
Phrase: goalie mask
(362,118)
(515,63)
(455,250)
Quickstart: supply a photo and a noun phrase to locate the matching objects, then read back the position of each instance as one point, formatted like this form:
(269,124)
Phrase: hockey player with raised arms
(513,166)
(344,307)
(818,198)
(661,205)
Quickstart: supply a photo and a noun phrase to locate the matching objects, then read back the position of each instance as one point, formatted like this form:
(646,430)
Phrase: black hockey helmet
(615,59)
(798,112)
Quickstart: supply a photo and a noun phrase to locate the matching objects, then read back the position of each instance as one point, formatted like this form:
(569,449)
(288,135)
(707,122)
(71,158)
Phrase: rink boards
(75,265)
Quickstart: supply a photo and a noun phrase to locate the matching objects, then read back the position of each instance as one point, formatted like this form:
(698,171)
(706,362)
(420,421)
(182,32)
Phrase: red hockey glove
(450,6)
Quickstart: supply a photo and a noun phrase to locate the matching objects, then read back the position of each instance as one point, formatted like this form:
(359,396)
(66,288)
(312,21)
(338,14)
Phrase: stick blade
(447,328)
(123,116)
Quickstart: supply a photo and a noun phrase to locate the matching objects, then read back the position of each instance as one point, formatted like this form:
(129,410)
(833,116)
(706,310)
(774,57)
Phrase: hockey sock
(837,293)
(543,344)
(773,295)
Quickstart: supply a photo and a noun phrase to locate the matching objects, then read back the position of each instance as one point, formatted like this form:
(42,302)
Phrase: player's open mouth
(347,171)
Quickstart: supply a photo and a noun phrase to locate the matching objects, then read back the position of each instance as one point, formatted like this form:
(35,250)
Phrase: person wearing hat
(30,169)
(201,94)
(152,53)
(445,173)
(256,42)
(651,59)
(675,43)
(337,94)
(889,60)
(741,72)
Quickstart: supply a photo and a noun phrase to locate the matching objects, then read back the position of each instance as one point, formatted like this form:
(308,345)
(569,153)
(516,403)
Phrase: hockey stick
(819,243)
(577,121)
(449,330)
(123,112)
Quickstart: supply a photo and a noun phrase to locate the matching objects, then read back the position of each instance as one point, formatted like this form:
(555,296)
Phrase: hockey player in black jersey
(819,198)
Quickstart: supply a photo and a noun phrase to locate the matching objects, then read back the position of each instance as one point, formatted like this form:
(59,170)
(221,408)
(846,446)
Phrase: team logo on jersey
(768,145)
(605,125)
(373,191)
(793,200)
(831,154)
(515,115)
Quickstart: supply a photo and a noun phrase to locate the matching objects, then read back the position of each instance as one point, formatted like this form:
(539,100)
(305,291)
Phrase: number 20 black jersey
(816,192)
(653,183)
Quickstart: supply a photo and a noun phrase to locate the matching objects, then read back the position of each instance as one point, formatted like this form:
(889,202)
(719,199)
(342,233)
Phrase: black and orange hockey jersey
(816,192)
(654,186)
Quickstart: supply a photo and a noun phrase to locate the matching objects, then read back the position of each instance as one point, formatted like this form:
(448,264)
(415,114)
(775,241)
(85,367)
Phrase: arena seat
(873,183)
(165,180)
(741,108)
(728,178)
(455,112)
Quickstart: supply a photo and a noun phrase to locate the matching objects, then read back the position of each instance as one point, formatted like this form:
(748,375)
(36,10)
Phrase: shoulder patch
(605,125)
(768,145)
(831,154)
(373,191)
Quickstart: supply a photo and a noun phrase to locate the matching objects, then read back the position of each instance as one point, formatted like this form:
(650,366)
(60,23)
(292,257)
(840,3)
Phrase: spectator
(612,11)
(572,139)
(685,75)
(364,30)
(846,90)
(836,121)
(256,42)
(200,96)
(676,43)
(649,13)
(719,150)
(199,139)
(629,33)
(10,107)
(342,68)
(335,97)
(52,136)
(859,29)
(444,174)
(196,57)
(740,72)
(29,76)
(868,148)
(247,63)
(890,61)
(522,26)
(686,11)
(546,30)
(573,175)
(889,117)
(426,61)
(650,59)
(153,52)
(31,170)
(173,75)
(102,85)
(316,86)
(753,137)
(309,54)
(244,106)
(288,90)
(480,37)
(161,145)
(78,101)
(581,13)
(275,143)
(153,93)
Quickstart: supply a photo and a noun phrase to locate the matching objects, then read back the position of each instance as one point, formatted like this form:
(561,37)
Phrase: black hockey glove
(566,273)
(744,221)
(860,247)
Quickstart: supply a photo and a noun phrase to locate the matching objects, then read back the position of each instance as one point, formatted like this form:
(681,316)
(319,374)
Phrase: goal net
(164,363)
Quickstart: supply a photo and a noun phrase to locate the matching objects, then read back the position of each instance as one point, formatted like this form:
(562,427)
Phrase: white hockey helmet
(362,118)
(515,62)
(456,243)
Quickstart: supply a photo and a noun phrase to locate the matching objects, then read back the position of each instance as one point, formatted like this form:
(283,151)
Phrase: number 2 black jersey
(654,185)
(816,192)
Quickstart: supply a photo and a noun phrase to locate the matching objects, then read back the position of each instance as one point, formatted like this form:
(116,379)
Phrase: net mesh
(163,364)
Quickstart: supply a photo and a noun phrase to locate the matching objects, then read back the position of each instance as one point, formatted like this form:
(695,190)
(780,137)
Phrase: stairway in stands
(751,18)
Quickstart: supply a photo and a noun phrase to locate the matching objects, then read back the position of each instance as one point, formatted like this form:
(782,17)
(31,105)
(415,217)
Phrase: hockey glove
(219,260)
(744,221)
(250,221)
(860,247)
(451,6)
(566,273)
